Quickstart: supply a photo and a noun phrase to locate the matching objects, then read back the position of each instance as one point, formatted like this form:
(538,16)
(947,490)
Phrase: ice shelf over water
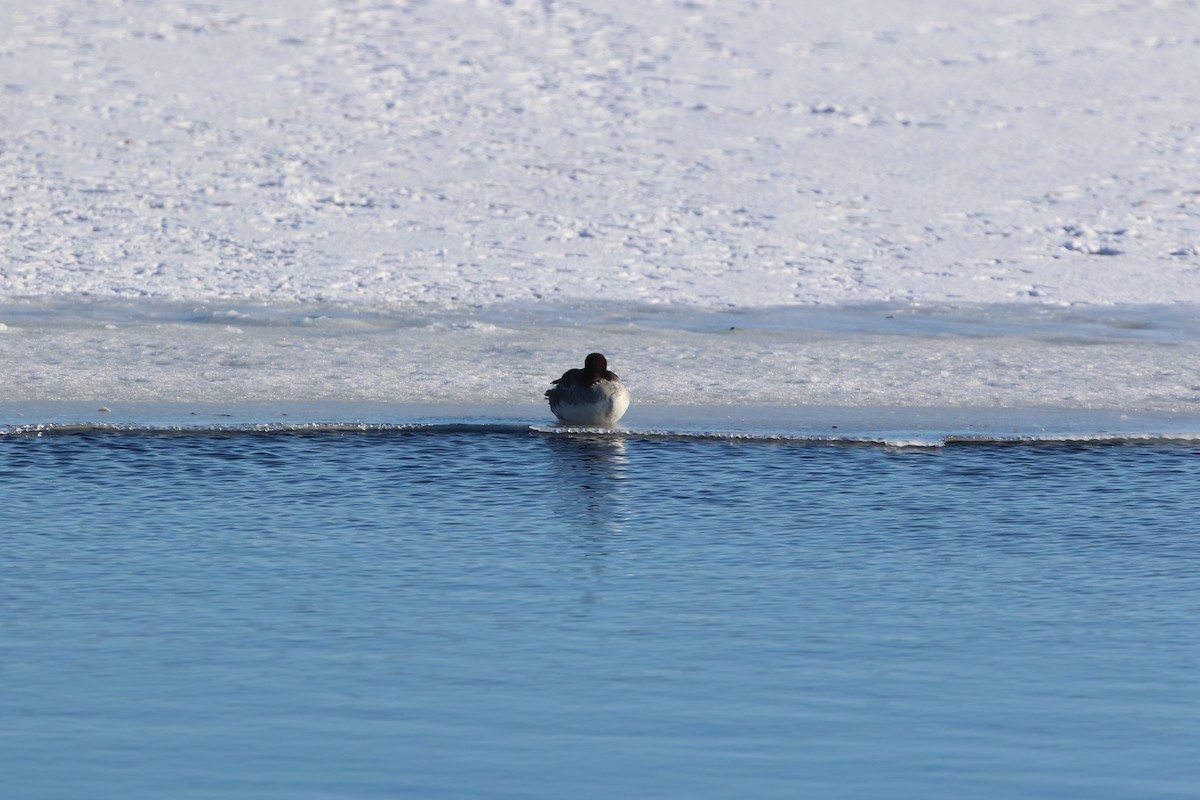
(1005,356)
(873,204)
(904,427)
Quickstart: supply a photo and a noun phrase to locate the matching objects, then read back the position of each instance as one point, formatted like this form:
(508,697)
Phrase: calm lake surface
(528,615)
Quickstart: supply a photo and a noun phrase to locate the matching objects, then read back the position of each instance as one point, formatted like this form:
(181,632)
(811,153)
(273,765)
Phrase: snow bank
(702,152)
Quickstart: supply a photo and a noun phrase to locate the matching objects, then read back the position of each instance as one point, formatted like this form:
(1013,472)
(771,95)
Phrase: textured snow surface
(747,153)
(862,203)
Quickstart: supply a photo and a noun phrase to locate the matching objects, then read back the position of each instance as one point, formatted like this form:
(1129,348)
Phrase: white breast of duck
(591,396)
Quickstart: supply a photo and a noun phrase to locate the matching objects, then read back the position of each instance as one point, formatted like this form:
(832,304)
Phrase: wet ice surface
(1131,359)
(502,614)
(896,427)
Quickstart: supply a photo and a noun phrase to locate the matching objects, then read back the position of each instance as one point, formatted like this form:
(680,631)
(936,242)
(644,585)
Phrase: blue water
(465,614)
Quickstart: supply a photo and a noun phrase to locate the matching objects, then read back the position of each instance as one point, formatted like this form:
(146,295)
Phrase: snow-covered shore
(738,152)
(365,161)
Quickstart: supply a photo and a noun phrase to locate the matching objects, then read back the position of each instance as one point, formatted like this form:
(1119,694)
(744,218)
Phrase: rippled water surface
(502,615)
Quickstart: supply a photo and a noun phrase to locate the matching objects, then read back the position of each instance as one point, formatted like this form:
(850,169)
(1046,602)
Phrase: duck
(591,396)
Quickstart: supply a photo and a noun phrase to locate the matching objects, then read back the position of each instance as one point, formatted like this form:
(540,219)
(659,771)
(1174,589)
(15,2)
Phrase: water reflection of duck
(589,396)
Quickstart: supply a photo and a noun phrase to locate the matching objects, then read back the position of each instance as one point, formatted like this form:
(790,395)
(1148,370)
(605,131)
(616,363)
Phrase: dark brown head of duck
(596,367)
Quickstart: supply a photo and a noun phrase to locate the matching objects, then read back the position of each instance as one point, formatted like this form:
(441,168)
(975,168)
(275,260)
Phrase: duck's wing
(571,376)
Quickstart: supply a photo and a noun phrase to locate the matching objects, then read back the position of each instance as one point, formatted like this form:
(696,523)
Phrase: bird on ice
(591,396)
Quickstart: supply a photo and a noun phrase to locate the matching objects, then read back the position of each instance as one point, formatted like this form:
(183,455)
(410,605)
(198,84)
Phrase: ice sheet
(871,204)
(1126,359)
(890,426)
